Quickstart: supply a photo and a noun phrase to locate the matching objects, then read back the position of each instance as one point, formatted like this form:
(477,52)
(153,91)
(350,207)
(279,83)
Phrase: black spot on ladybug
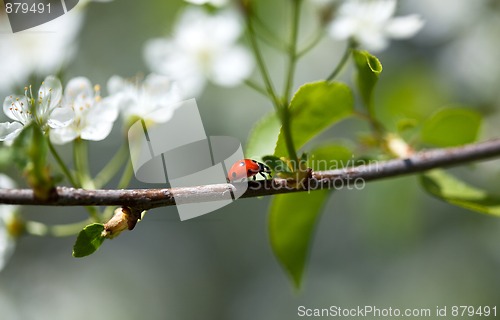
(254,161)
(250,172)
(234,175)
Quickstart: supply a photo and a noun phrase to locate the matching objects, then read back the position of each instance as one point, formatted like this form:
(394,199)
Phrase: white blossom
(7,241)
(202,47)
(151,99)
(41,50)
(45,110)
(215,3)
(371,23)
(94,116)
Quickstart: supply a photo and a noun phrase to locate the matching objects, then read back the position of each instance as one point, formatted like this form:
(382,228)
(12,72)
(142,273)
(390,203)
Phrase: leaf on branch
(369,69)
(452,127)
(263,137)
(448,188)
(21,145)
(293,216)
(315,107)
(330,157)
(291,228)
(88,240)
(276,164)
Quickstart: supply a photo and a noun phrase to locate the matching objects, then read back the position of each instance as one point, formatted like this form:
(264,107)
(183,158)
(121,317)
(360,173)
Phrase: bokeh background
(389,245)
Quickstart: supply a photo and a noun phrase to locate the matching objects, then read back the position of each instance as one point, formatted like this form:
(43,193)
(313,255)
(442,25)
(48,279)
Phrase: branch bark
(145,199)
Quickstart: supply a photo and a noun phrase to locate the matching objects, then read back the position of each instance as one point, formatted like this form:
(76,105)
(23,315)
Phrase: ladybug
(247,168)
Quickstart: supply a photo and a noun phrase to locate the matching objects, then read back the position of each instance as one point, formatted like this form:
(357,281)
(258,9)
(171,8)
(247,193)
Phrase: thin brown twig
(145,199)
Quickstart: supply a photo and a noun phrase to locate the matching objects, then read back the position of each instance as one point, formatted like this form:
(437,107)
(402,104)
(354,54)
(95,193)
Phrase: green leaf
(6,157)
(291,227)
(276,164)
(21,145)
(452,127)
(448,188)
(369,69)
(88,240)
(263,137)
(330,157)
(315,107)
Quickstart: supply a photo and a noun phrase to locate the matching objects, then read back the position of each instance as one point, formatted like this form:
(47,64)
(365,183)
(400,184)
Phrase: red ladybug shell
(246,168)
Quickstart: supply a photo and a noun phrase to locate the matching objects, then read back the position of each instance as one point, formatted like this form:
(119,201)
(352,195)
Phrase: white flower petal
(382,10)
(7,246)
(342,29)
(10,130)
(115,84)
(197,26)
(17,108)
(50,94)
(157,85)
(404,27)
(63,135)
(7,243)
(61,117)
(161,114)
(216,3)
(201,43)
(231,68)
(96,131)
(370,23)
(103,111)
(79,86)
(374,42)
(6,182)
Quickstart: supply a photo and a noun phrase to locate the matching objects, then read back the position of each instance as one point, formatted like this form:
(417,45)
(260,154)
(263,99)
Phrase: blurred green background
(389,245)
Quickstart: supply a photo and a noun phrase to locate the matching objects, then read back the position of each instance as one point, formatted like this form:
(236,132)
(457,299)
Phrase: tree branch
(145,199)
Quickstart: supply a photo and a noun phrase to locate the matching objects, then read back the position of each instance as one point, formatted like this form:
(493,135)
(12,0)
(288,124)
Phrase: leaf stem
(127,175)
(342,62)
(292,50)
(61,164)
(377,127)
(63,230)
(261,64)
(290,75)
(311,45)
(256,87)
(112,167)
(80,153)
(268,36)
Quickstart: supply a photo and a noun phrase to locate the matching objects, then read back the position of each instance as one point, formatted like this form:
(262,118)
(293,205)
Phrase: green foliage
(451,127)
(448,188)
(315,107)
(20,147)
(6,156)
(368,71)
(29,152)
(276,164)
(293,216)
(88,240)
(330,157)
(291,228)
(413,94)
(262,139)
